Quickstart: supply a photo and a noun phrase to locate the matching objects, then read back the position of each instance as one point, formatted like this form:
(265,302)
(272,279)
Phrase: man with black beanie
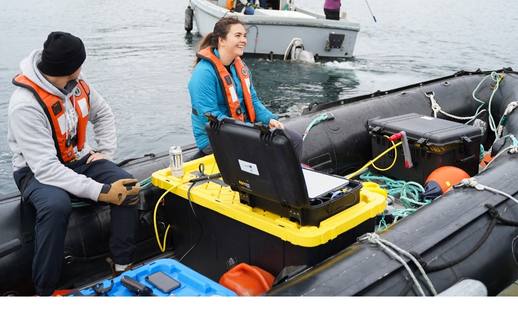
(47,120)
(62,54)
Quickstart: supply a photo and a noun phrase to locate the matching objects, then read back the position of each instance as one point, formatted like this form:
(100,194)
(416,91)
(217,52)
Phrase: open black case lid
(257,160)
(261,164)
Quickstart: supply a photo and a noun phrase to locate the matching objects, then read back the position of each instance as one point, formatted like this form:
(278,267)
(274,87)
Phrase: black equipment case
(261,164)
(433,143)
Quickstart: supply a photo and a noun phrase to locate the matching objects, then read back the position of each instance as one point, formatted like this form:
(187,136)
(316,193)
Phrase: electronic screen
(163,282)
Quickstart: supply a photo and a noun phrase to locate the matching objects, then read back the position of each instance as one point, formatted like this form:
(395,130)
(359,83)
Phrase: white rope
(436,108)
(385,245)
(476,88)
(508,110)
(414,260)
(460,118)
(510,107)
(475,116)
(511,149)
(472,182)
(496,77)
(492,124)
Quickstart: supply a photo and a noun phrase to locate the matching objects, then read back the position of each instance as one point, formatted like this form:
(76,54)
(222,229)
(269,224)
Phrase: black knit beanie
(63,54)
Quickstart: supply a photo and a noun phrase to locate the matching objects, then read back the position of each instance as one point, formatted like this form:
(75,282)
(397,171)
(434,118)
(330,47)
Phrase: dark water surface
(140,59)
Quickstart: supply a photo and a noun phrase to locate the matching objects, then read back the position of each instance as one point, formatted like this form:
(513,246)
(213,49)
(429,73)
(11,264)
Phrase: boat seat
(11,222)
(17,223)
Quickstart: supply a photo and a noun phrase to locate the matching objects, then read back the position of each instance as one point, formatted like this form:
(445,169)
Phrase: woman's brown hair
(221,30)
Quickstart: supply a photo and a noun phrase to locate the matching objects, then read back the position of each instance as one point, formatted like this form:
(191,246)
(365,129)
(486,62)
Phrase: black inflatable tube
(438,233)
(442,231)
(342,145)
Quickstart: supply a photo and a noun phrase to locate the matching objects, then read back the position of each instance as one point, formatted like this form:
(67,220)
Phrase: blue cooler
(190,282)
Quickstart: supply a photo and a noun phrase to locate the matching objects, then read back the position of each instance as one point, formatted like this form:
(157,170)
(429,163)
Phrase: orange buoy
(247,280)
(446,177)
(486,159)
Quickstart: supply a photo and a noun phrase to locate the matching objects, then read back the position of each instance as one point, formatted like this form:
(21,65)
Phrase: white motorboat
(283,33)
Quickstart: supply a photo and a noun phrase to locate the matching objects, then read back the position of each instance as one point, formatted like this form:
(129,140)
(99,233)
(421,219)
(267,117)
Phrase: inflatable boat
(365,246)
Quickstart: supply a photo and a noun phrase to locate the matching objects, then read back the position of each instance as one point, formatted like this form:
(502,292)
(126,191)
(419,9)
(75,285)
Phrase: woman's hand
(276,124)
(94,156)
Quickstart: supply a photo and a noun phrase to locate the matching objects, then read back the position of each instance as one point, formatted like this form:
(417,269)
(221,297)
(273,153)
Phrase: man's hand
(94,156)
(117,192)
(276,124)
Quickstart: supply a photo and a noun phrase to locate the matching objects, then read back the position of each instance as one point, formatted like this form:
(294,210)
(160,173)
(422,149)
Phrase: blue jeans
(53,208)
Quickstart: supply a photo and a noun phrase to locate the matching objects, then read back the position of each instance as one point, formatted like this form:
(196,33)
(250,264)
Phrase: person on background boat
(264,4)
(332,9)
(221,85)
(47,124)
(270,4)
(275,4)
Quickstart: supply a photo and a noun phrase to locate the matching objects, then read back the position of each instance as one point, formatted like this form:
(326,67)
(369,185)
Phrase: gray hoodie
(30,134)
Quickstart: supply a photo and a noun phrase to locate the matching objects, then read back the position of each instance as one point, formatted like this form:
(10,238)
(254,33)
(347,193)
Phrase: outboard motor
(296,52)
(189,14)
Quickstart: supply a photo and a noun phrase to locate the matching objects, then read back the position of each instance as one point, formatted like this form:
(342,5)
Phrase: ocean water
(140,58)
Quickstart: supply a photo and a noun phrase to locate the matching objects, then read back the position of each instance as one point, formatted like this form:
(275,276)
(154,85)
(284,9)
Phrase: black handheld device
(163,282)
(136,287)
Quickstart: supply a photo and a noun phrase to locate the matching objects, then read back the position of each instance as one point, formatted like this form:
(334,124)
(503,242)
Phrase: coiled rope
(408,192)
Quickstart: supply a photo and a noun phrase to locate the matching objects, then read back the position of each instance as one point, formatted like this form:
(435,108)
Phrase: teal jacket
(207,96)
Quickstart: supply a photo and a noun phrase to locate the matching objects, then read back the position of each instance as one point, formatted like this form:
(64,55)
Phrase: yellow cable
(372,161)
(393,162)
(160,246)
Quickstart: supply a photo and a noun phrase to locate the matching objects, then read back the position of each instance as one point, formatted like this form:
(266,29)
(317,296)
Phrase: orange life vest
(54,108)
(229,90)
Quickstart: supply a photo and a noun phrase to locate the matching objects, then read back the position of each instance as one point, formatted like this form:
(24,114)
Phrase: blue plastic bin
(192,283)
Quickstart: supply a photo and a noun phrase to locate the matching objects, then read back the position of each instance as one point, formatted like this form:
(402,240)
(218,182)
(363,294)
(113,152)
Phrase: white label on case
(248,167)
(427,118)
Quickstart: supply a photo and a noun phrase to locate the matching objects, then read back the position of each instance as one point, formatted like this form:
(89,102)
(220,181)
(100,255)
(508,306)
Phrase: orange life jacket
(229,90)
(54,108)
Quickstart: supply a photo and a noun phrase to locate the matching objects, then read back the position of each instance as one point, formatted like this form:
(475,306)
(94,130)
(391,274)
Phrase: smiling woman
(221,85)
